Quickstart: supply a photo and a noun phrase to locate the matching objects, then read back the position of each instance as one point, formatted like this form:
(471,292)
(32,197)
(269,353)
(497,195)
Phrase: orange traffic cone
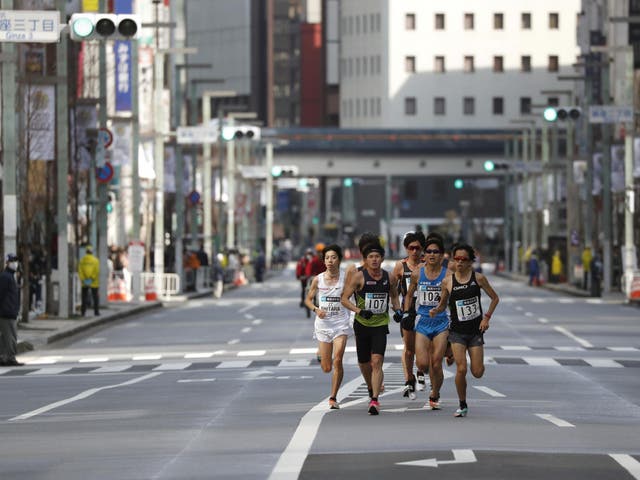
(117,291)
(150,290)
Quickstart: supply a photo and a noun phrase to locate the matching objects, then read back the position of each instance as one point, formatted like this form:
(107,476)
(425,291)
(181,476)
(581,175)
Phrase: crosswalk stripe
(49,371)
(173,366)
(603,363)
(111,369)
(235,364)
(294,363)
(541,361)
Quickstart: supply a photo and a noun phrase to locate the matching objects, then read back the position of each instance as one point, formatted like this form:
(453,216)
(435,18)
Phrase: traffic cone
(150,294)
(117,291)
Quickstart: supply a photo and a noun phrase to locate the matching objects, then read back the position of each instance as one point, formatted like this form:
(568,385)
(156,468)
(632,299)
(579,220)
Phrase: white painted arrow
(459,456)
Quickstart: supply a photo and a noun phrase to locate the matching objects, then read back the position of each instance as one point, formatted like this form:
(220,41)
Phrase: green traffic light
(489,166)
(347,182)
(276,171)
(550,114)
(458,183)
(82,27)
(109,207)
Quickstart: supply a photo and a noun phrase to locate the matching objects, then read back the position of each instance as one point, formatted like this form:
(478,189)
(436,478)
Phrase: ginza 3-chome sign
(37,26)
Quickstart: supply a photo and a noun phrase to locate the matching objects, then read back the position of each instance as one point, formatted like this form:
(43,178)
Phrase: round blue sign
(194,198)
(104,174)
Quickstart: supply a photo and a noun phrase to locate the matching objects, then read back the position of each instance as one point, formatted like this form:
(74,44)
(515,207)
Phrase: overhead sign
(197,134)
(253,171)
(610,114)
(34,26)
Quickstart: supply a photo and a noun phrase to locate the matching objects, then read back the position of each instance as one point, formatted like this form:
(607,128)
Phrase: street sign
(610,114)
(197,134)
(529,167)
(253,171)
(30,26)
(104,174)
(105,137)
(194,197)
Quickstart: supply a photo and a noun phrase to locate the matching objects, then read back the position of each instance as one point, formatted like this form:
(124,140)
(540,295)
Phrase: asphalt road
(230,389)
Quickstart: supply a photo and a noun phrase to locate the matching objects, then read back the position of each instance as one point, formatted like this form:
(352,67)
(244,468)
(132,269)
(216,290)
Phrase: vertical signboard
(122,52)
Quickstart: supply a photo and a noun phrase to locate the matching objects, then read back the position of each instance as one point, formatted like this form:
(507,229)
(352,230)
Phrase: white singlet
(337,321)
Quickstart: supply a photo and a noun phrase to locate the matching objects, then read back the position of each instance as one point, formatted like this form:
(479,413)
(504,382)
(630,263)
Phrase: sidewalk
(39,332)
(566,288)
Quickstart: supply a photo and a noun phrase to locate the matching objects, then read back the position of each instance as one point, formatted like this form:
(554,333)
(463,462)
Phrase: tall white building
(452,63)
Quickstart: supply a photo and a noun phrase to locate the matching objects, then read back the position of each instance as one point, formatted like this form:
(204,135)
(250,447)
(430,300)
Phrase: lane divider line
(81,396)
(490,391)
(555,420)
(574,337)
(627,462)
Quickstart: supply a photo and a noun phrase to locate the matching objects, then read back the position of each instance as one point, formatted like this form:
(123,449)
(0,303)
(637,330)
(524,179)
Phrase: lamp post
(207,95)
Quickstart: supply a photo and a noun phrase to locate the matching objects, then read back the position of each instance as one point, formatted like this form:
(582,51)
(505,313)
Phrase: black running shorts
(370,340)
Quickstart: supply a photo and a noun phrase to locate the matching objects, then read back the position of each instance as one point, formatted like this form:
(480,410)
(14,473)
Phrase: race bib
(407,281)
(376,302)
(331,305)
(429,295)
(468,309)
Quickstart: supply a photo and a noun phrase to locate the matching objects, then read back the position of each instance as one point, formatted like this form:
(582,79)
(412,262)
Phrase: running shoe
(410,390)
(333,404)
(461,412)
(374,407)
(434,403)
(421,383)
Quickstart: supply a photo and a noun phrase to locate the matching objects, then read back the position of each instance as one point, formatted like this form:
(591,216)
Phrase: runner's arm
(484,284)
(444,297)
(411,290)
(311,294)
(350,287)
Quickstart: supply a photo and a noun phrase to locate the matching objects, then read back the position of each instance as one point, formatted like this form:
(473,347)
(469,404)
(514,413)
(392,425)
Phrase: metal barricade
(164,284)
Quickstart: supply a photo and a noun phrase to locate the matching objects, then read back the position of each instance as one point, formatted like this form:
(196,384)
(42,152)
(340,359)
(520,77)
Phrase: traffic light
(239,132)
(490,166)
(552,114)
(103,26)
(109,206)
(278,171)
(347,182)
(458,183)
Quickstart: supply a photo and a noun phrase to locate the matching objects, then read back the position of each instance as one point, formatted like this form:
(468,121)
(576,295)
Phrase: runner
(431,333)
(374,289)
(332,324)
(414,243)
(461,291)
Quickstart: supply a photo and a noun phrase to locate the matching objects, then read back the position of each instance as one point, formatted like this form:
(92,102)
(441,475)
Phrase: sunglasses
(432,251)
(461,259)
(413,248)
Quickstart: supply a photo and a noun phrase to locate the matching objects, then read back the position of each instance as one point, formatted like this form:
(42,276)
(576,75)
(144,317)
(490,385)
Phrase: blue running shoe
(461,412)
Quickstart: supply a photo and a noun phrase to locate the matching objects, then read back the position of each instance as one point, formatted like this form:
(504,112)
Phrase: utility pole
(62,163)
(158,150)
(9,61)
(508,204)
(515,264)
(231,194)
(606,186)
(101,246)
(269,205)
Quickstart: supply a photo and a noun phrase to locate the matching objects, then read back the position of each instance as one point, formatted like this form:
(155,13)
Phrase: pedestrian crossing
(176,366)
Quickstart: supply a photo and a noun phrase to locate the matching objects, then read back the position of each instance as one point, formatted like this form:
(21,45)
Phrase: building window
(358,25)
(378,22)
(364,107)
(378,106)
(372,22)
(372,64)
(553,101)
(469,106)
(468,21)
(525,63)
(378,64)
(372,108)
(525,105)
(410,64)
(364,24)
(350,62)
(554,21)
(498,63)
(469,66)
(498,106)
(553,63)
(439,106)
(410,106)
(364,65)
(350,25)
(498,21)
(525,23)
(439,25)
(357,66)
(410,21)
(438,64)
(357,107)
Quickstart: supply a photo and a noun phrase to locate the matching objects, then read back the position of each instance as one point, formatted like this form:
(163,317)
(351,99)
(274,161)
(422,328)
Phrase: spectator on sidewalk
(556,267)
(534,270)
(9,310)
(89,272)
(259,266)
(301,275)
(595,269)
(202,256)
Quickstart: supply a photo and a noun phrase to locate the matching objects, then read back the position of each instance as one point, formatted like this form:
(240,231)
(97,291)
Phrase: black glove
(366,314)
(398,316)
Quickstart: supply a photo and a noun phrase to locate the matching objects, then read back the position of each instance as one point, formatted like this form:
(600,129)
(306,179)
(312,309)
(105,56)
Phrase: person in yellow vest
(556,267)
(587,256)
(89,272)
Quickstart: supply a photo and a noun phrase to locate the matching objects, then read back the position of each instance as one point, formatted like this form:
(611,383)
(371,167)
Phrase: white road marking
(569,349)
(81,396)
(293,363)
(350,349)
(40,360)
(49,371)
(252,353)
(147,356)
(95,340)
(234,341)
(555,420)
(246,330)
(235,364)
(93,359)
(519,308)
(490,391)
(257,321)
(566,332)
(459,456)
(111,369)
(398,347)
(541,361)
(627,462)
(543,320)
(248,316)
(290,463)
(173,366)
(248,307)
(515,347)
(195,380)
(528,314)
(603,363)
(199,355)
(622,349)
(298,351)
